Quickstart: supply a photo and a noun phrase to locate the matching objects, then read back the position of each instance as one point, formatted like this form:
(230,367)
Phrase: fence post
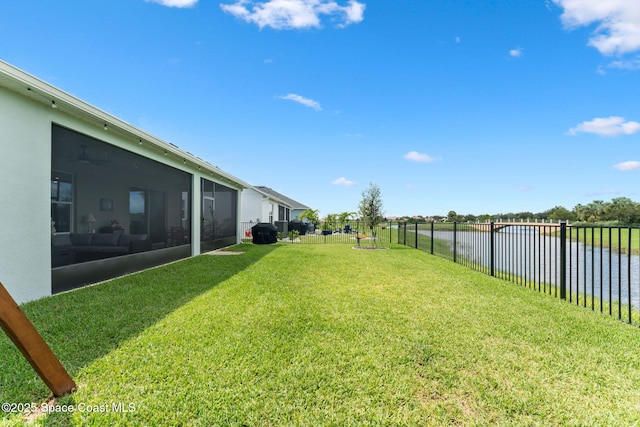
(455,241)
(324,234)
(416,234)
(405,233)
(563,260)
(432,222)
(492,248)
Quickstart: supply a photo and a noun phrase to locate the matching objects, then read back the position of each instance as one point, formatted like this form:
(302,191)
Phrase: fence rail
(590,266)
(355,233)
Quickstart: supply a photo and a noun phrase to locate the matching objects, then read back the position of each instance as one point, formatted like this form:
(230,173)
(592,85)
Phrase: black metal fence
(355,233)
(591,266)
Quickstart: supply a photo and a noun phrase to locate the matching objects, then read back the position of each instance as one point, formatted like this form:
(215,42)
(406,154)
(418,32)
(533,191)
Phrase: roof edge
(48,94)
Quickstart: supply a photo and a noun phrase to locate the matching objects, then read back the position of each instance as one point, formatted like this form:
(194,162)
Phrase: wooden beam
(32,346)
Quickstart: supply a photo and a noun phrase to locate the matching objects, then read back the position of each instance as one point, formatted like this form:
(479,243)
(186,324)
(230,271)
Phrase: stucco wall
(25,212)
(252,206)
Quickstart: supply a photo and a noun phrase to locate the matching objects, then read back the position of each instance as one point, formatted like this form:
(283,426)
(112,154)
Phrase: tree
(622,209)
(453,216)
(525,215)
(344,217)
(311,215)
(329,222)
(484,218)
(470,218)
(370,207)
(594,211)
(561,213)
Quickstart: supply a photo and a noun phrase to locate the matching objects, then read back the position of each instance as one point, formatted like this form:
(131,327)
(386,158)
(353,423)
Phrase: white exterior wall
(253,206)
(25,197)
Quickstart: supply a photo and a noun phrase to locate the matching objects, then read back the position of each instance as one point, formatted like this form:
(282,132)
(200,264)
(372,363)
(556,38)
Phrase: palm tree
(345,217)
(329,222)
(311,215)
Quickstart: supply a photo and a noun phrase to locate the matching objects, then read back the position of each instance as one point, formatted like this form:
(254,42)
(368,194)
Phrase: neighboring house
(260,206)
(89,197)
(296,208)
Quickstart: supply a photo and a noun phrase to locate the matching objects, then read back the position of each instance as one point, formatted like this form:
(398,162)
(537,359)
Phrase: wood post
(32,346)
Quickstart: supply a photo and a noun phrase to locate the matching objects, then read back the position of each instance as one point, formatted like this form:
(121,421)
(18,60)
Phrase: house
(261,206)
(88,196)
(295,207)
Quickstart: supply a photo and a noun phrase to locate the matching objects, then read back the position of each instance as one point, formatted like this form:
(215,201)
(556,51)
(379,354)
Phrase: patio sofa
(81,247)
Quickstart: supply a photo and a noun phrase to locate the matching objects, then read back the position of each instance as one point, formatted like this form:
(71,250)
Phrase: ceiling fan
(84,157)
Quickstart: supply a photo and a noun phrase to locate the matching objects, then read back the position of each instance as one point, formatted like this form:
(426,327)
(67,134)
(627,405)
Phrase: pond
(531,255)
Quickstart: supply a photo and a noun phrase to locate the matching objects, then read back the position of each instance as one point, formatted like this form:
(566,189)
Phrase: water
(527,254)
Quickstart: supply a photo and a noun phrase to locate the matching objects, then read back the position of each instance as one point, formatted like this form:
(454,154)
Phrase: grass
(619,309)
(618,239)
(446,226)
(311,335)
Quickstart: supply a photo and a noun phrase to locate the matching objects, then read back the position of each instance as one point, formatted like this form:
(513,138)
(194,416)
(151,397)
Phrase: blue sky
(474,106)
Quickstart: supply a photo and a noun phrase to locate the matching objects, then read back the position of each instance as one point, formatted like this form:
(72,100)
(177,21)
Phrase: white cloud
(516,53)
(632,64)
(618,23)
(295,14)
(607,126)
(175,3)
(302,100)
(414,156)
(631,165)
(354,13)
(344,182)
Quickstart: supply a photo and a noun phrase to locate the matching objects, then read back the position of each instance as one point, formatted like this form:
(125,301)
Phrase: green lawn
(617,238)
(324,335)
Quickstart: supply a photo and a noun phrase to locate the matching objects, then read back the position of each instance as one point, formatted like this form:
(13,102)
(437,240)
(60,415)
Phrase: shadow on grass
(85,324)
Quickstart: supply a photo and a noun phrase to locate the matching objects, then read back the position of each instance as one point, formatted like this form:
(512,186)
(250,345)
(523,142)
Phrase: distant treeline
(620,210)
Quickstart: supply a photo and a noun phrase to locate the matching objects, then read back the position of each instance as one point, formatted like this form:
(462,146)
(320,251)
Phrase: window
(61,201)
(283,213)
(138,212)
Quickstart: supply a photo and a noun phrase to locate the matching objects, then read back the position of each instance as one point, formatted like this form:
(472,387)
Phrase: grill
(264,233)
